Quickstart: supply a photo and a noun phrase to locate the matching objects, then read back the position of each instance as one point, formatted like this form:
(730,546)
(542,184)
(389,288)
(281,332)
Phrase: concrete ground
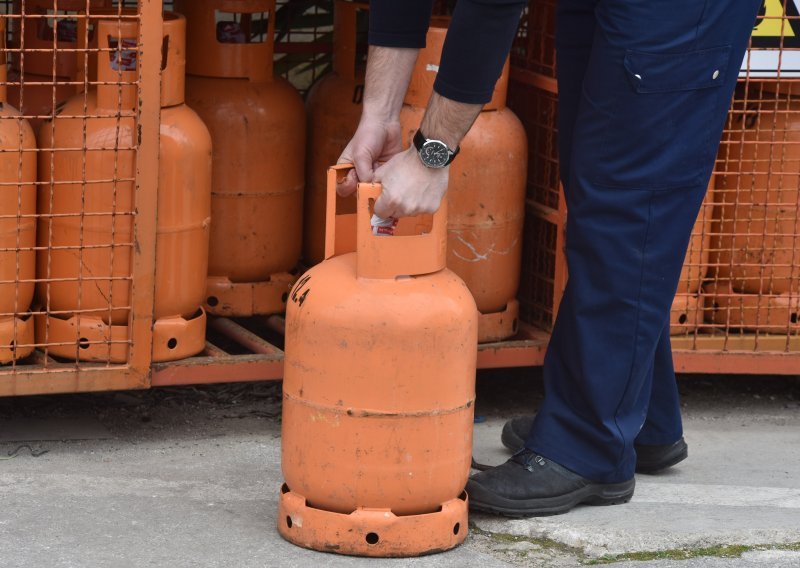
(189,477)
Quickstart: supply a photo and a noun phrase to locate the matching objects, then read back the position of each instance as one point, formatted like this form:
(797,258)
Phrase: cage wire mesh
(534,48)
(739,286)
(541,262)
(67,191)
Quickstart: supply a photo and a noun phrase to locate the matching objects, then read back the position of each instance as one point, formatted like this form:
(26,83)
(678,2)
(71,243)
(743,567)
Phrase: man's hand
(378,137)
(374,142)
(408,187)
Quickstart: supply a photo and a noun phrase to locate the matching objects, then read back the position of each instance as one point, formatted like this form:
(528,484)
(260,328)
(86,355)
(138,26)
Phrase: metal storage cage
(737,311)
(40,345)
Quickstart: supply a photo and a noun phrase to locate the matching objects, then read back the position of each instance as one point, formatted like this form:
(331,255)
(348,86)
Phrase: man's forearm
(388,74)
(448,120)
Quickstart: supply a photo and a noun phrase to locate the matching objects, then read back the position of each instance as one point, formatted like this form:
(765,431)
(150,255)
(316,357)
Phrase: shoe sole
(513,442)
(595,494)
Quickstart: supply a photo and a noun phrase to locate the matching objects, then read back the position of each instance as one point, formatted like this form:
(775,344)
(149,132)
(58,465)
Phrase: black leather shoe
(649,459)
(529,485)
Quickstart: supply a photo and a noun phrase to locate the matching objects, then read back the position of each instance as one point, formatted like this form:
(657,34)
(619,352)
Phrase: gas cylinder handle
(117,63)
(340,229)
(397,255)
(253,61)
(86,52)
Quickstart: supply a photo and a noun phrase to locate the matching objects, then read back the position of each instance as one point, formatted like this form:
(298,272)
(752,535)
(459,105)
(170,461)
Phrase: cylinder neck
(427,67)
(117,64)
(87,54)
(173,64)
(416,252)
(345,37)
(231,39)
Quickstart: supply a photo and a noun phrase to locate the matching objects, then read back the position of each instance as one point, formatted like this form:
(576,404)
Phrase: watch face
(434,154)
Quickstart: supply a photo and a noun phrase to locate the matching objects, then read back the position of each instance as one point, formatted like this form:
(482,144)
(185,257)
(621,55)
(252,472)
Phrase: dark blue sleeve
(399,23)
(478,41)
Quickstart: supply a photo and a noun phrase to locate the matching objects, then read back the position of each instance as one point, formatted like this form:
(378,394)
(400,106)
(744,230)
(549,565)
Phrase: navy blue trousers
(644,89)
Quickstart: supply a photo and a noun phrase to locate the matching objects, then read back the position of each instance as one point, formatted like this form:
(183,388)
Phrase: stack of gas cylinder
(248,129)
(83,269)
(754,258)
(236,168)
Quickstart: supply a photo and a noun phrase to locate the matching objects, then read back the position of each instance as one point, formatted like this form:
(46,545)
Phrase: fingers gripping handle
(381,256)
(399,255)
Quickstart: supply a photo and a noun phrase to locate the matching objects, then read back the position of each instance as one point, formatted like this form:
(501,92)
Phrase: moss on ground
(544,543)
(719,551)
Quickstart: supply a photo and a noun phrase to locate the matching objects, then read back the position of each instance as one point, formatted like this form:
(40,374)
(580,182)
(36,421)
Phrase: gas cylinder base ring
(14,332)
(178,338)
(243,299)
(91,339)
(371,532)
(498,326)
(685,314)
(85,338)
(765,313)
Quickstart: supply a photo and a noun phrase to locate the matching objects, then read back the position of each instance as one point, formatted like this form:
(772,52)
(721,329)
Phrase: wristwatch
(433,153)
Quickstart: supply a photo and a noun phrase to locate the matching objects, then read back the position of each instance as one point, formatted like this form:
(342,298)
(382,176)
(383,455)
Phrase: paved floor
(189,477)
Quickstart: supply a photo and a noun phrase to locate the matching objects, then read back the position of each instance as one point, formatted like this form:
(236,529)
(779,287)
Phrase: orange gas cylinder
(686,313)
(49,65)
(379,385)
(87,269)
(334,109)
(257,123)
(757,197)
(486,195)
(17,226)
